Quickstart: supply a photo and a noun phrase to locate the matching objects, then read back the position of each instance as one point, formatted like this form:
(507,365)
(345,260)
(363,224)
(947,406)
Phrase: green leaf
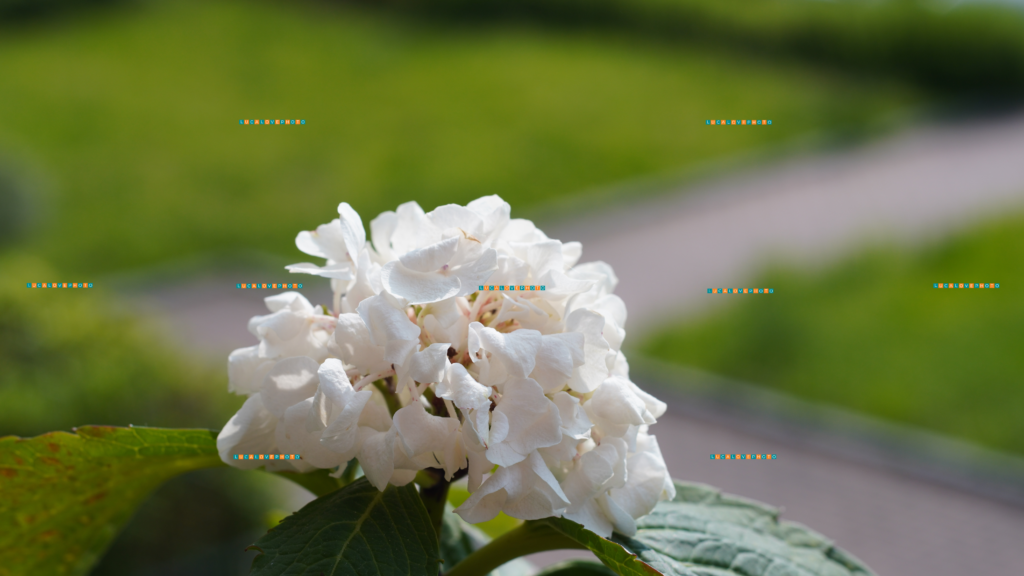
(613,554)
(65,496)
(355,530)
(576,568)
(460,538)
(705,533)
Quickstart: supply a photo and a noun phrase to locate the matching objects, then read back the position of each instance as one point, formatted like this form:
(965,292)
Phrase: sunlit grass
(872,334)
(132,119)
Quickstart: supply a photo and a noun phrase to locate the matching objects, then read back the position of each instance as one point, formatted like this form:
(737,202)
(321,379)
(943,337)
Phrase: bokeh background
(122,163)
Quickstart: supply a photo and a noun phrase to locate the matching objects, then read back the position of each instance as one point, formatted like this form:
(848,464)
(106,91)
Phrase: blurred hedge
(26,9)
(70,357)
(968,49)
(76,356)
(973,49)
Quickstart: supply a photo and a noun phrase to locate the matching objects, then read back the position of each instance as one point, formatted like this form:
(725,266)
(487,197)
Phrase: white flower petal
(413,229)
(430,258)
(489,372)
(338,271)
(418,287)
(352,232)
(623,522)
(397,352)
(494,213)
(385,322)
(517,350)
(526,490)
(596,350)
(249,431)
(533,422)
(589,476)
(464,391)
(499,427)
(377,455)
(424,434)
(293,438)
(356,347)
(476,460)
(571,252)
(560,453)
(246,370)
(575,422)
(648,480)
(593,518)
(305,242)
(458,217)
(614,407)
(382,228)
(289,382)
(601,274)
(428,365)
(293,301)
(558,355)
(327,241)
(542,256)
(346,408)
(536,494)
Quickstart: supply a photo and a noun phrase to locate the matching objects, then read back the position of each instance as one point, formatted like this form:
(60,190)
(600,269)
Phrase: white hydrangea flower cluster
(527,391)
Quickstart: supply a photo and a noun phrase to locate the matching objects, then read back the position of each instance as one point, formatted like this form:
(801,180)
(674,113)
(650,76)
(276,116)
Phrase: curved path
(669,250)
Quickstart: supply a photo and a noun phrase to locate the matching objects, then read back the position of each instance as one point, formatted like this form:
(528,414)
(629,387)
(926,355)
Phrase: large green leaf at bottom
(703,532)
(356,530)
(64,496)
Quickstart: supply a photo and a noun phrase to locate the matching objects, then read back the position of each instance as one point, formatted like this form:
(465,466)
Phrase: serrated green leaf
(460,538)
(356,530)
(703,532)
(65,496)
(576,568)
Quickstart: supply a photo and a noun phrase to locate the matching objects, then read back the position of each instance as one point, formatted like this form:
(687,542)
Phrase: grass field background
(873,335)
(132,118)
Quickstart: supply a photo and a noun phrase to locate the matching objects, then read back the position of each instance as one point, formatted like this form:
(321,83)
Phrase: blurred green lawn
(132,117)
(872,334)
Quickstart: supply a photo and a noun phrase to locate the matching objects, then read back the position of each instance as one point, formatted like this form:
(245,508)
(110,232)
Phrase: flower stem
(434,497)
(528,538)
